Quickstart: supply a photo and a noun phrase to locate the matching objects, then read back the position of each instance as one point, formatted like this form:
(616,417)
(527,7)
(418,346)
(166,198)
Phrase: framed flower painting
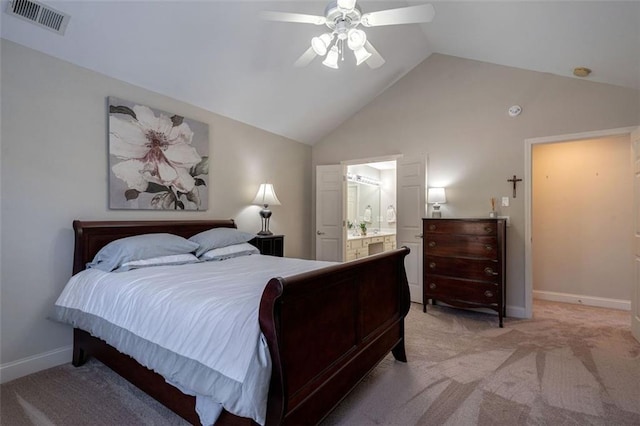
(157,160)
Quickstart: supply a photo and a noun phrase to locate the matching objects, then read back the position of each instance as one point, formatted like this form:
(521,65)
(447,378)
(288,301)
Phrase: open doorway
(582,219)
(370,209)
(579,219)
(331,209)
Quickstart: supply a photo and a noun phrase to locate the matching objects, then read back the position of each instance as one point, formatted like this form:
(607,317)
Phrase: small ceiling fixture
(342,17)
(514,110)
(581,72)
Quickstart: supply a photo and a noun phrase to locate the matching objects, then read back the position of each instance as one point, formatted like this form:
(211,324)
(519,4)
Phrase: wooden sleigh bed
(325,329)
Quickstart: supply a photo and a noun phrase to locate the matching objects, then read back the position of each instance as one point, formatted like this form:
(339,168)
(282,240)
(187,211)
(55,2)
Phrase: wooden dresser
(464,263)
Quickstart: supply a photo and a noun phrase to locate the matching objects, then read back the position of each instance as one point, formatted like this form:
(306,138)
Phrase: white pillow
(174,259)
(235,250)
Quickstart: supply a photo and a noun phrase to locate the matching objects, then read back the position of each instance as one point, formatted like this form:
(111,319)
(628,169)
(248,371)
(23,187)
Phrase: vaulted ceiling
(221,56)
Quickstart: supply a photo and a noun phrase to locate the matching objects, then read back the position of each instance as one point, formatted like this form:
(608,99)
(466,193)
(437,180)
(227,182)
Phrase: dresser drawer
(452,290)
(476,227)
(484,247)
(474,269)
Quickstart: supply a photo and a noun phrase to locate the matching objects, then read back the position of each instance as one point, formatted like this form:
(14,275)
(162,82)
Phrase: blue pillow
(219,237)
(140,247)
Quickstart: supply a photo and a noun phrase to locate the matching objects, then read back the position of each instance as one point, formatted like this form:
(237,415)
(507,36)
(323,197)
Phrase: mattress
(196,325)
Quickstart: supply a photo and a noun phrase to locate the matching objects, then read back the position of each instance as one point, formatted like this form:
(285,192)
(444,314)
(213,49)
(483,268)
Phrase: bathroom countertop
(350,236)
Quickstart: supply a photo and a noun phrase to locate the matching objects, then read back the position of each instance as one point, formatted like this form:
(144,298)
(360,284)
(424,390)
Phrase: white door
(635,296)
(411,185)
(329,226)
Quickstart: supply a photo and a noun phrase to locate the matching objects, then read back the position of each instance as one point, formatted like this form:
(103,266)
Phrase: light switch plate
(505,201)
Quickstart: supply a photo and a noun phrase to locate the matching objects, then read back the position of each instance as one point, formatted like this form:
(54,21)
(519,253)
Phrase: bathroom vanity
(365,245)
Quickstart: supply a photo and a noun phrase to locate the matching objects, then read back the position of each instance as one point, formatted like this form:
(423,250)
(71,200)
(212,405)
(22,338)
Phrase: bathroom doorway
(370,208)
(402,209)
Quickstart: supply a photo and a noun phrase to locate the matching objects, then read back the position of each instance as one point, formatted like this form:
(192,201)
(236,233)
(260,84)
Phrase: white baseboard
(23,367)
(601,302)
(516,312)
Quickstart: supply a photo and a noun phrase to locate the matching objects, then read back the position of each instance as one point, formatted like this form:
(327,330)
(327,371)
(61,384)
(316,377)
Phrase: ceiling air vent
(39,14)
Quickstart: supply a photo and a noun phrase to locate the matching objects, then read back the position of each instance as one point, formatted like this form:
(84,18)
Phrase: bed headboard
(90,237)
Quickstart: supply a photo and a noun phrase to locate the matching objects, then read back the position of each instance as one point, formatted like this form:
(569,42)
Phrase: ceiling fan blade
(402,15)
(293,17)
(304,59)
(375,60)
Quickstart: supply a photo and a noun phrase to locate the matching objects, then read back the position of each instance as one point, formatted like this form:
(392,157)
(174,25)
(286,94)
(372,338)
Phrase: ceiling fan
(343,17)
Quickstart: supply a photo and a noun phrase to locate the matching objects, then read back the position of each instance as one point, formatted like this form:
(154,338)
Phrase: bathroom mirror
(363,205)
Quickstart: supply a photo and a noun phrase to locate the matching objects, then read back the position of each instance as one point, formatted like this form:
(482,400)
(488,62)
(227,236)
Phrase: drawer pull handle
(432,286)
(432,243)
(489,271)
(432,265)
(488,293)
(432,227)
(488,247)
(488,229)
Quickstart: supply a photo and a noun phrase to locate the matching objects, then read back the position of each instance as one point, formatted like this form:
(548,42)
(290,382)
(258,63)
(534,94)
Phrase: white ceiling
(220,56)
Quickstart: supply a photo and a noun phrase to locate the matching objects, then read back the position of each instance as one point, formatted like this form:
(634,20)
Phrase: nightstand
(272,245)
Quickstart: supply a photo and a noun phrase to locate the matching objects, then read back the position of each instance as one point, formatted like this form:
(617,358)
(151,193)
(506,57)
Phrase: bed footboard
(328,328)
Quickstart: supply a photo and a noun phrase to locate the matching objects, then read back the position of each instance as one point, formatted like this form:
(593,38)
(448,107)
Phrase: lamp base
(436,211)
(265,214)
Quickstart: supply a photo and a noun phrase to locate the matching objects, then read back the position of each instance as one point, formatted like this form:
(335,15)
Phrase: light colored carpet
(570,365)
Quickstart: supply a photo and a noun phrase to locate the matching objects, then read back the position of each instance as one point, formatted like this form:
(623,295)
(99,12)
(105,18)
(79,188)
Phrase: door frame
(528,189)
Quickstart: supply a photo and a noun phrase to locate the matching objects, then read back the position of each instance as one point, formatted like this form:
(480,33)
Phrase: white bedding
(206,313)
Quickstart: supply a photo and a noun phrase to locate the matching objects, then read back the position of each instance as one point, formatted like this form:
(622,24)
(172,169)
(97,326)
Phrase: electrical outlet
(507,219)
(505,201)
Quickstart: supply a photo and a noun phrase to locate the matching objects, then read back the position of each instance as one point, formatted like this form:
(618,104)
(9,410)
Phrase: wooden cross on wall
(515,181)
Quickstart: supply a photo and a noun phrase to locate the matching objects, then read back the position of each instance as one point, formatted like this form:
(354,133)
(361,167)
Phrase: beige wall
(582,218)
(54,170)
(455,110)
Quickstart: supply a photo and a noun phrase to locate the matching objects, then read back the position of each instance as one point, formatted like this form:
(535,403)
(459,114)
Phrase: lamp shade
(436,196)
(356,39)
(266,196)
(331,60)
(321,44)
(361,55)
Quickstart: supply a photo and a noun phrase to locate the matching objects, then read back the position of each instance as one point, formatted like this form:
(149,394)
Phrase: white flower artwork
(157,160)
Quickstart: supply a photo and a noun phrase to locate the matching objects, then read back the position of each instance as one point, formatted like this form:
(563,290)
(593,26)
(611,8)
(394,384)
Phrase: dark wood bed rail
(326,329)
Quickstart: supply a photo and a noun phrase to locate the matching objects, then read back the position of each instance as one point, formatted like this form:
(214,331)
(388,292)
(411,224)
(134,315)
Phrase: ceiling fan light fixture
(331,60)
(356,39)
(361,55)
(321,44)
